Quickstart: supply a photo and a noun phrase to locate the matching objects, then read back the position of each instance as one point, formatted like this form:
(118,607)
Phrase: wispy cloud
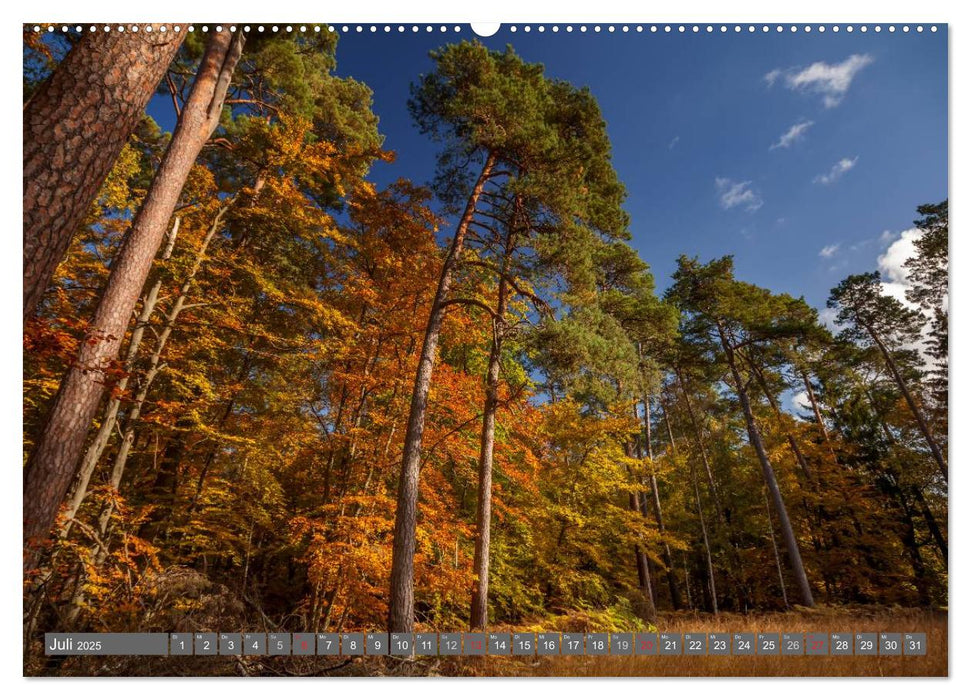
(844,165)
(794,134)
(773,75)
(733,194)
(831,80)
(674,142)
(829,250)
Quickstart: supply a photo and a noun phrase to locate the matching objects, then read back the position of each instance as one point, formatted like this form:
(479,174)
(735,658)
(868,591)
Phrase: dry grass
(934,664)
(823,620)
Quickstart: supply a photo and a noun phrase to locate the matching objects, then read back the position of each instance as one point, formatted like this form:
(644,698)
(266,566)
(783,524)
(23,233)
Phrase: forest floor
(934,664)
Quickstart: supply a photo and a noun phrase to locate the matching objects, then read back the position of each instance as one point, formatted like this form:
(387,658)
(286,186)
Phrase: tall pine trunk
(52,464)
(401,608)
(479,618)
(775,550)
(709,564)
(793,445)
(75,126)
(811,393)
(656,508)
(755,438)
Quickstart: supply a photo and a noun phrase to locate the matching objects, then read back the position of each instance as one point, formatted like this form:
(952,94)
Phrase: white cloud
(829,250)
(799,402)
(674,142)
(827,317)
(794,134)
(772,76)
(844,165)
(892,265)
(831,80)
(733,194)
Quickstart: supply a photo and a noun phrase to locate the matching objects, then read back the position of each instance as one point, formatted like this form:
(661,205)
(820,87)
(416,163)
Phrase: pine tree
(75,125)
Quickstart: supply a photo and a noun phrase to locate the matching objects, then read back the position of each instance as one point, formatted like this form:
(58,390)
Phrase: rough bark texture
(75,126)
(755,438)
(52,464)
(401,608)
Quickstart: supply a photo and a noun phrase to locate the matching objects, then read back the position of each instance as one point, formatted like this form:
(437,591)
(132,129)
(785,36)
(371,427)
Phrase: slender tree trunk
(793,445)
(788,536)
(401,608)
(110,416)
(775,550)
(909,539)
(931,521)
(811,393)
(704,538)
(911,403)
(701,518)
(687,580)
(644,577)
(701,447)
(52,464)
(644,572)
(656,507)
(894,478)
(154,363)
(483,518)
(75,126)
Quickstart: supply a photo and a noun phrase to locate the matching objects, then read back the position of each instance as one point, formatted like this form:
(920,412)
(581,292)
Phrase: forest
(261,392)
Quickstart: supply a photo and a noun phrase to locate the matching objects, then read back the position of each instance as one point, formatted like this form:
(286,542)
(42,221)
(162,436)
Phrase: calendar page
(431,348)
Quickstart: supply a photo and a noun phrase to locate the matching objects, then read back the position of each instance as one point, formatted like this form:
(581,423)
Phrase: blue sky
(699,126)
(693,119)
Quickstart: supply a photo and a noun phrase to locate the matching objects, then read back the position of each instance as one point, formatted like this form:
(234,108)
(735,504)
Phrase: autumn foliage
(247,476)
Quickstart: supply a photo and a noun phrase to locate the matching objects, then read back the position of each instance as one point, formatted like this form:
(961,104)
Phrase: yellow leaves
(115,192)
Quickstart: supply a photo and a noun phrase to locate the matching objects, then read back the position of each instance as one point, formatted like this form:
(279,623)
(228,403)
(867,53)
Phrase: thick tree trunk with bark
(52,464)
(75,126)
(401,608)
(768,474)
